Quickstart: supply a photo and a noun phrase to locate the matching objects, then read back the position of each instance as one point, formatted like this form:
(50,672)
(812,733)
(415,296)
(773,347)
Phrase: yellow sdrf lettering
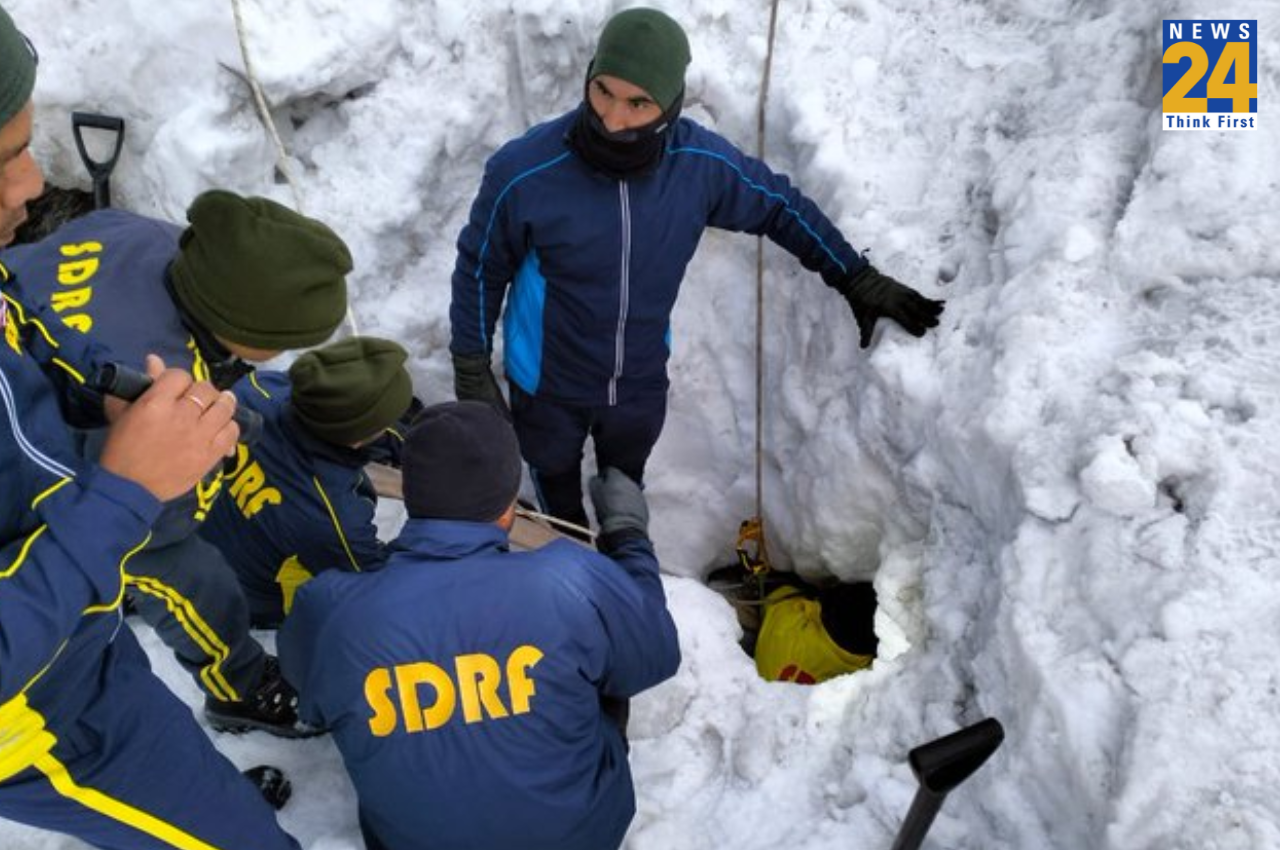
(76,273)
(416,718)
(518,682)
(377,692)
(71,299)
(249,485)
(81,248)
(476,684)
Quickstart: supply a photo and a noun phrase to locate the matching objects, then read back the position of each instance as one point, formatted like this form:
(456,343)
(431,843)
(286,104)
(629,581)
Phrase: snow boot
(275,787)
(272,707)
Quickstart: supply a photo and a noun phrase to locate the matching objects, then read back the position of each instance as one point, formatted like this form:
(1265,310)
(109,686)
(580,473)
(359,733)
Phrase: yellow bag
(793,645)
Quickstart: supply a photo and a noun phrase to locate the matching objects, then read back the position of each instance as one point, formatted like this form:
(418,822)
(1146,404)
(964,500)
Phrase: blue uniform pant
(552,436)
(185,589)
(136,772)
(190,595)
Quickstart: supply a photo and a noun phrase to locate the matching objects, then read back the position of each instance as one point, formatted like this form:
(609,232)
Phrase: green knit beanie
(259,274)
(17,69)
(647,49)
(351,390)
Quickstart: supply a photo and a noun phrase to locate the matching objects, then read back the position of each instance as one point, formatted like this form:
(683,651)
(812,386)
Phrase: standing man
(463,682)
(83,721)
(590,220)
(246,280)
(298,500)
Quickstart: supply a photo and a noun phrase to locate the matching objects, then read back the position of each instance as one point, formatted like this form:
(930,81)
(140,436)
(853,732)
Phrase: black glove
(620,507)
(873,295)
(473,381)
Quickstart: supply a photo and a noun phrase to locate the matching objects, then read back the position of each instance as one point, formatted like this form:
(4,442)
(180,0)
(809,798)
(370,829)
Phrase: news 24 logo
(1210,75)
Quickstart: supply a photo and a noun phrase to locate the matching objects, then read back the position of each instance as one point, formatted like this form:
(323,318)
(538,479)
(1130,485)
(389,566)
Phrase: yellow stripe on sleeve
(49,492)
(337,526)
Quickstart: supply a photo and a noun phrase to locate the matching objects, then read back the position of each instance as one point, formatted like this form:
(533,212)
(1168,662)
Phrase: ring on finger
(193,397)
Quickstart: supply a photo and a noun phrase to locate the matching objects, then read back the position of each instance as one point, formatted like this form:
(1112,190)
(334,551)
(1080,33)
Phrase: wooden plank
(530,530)
(386,480)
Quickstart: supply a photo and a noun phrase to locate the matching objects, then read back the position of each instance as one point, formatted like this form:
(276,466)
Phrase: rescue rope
(584,534)
(752,530)
(264,115)
(264,111)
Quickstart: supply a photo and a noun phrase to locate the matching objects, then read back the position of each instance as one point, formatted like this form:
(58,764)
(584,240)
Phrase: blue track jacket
(292,506)
(103,274)
(462,684)
(594,264)
(83,722)
(66,530)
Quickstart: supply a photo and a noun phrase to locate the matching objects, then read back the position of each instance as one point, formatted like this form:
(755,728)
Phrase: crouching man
(463,682)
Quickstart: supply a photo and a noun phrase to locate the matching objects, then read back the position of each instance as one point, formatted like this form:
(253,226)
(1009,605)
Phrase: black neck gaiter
(225,368)
(626,153)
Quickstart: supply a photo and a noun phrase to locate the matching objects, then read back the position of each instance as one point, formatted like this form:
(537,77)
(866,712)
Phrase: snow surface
(1066,494)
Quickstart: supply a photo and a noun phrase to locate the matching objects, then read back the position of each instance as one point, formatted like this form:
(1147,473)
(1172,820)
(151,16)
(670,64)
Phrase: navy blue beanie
(460,461)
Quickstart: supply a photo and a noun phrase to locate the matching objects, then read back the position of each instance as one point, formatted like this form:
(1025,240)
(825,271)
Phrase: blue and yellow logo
(1210,75)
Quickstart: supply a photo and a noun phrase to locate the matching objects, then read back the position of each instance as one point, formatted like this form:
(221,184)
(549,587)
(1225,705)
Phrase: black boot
(275,787)
(272,707)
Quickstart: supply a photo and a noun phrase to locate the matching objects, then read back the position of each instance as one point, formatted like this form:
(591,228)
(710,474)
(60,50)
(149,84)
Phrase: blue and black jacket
(293,505)
(462,685)
(594,264)
(66,531)
(104,274)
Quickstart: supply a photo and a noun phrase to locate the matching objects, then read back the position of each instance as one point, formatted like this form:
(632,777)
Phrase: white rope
(264,114)
(558,524)
(264,111)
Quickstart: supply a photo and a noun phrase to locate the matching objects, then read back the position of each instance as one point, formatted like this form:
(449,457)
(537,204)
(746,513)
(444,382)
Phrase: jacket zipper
(624,293)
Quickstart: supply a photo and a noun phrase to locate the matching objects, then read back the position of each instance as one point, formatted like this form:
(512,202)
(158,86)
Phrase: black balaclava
(647,48)
(627,153)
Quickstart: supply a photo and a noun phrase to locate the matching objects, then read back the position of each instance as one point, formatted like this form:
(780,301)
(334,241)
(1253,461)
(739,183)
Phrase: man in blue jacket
(245,280)
(92,744)
(298,500)
(590,220)
(463,682)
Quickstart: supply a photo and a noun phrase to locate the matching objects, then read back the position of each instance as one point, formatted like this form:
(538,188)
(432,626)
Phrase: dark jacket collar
(313,445)
(225,368)
(448,539)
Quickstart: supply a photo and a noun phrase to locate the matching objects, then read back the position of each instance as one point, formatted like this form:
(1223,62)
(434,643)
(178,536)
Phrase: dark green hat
(17,69)
(647,49)
(258,274)
(351,390)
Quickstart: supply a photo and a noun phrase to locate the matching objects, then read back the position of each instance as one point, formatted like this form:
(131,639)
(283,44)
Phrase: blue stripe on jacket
(522,325)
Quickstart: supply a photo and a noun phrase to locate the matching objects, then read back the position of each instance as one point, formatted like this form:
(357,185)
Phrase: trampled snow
(1066,495)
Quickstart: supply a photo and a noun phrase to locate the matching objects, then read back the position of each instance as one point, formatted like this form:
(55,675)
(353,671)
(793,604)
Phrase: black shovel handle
(939,767)
(99,170)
